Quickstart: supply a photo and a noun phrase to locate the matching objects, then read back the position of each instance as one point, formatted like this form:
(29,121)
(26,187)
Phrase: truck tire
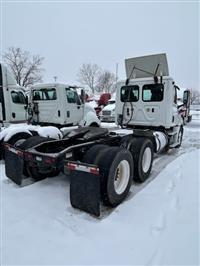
(116,170)
(19,138)
(93,153)
(15,140)
(142,150)
(32,170)
(94,125)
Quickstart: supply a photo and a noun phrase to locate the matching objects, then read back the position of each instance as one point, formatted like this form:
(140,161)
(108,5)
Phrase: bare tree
(195,97)
(106,81)
(26,68)
(88,75)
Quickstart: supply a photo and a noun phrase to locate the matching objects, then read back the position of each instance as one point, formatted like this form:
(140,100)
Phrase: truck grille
(106,112)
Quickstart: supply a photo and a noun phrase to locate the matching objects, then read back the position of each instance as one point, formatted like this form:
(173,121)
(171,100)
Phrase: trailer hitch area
(84,186)
(14,166)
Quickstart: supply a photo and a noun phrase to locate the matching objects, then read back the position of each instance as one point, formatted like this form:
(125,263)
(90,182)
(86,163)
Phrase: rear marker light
(94,171)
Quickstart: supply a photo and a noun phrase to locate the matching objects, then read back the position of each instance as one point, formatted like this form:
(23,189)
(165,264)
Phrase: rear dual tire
(16,140)
(31,169)
(142,151)
(116,170)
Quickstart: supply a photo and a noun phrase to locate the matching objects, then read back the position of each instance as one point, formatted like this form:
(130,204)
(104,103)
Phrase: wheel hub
(146,160)
(122,176)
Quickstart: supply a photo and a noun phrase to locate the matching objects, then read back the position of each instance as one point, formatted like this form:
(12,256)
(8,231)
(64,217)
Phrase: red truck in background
(103,101)
(100,103)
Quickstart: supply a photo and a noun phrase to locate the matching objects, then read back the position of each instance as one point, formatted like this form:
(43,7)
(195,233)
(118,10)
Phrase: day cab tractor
(60,105)
(102,164)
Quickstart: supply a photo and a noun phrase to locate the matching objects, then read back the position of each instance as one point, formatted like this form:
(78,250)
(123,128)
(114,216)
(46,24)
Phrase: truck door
(46,105)
(152,97)
(129,97)
(74,107)
(17,106)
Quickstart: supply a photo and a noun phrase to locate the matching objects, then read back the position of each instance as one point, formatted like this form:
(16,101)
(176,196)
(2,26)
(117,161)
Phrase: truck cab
(56,103)
(13,101)
(148,98)
(148,104)
(60,105)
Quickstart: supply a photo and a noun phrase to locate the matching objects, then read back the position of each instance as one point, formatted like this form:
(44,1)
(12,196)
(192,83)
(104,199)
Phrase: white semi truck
(60,105)
(13,101)
(103,164)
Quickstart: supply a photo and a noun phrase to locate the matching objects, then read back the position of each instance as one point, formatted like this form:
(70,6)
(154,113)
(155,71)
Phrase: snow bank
(156,226)
(49,131)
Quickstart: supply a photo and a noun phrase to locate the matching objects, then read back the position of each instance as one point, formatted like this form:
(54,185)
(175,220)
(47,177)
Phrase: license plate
(38,158)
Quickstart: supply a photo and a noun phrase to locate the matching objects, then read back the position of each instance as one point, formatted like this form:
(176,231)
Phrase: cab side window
(18,97)
(130,93)
(44,94)
(37,95)
(153,92)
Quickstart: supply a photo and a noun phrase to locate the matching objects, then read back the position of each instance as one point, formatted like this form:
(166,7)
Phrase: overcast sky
(68,34)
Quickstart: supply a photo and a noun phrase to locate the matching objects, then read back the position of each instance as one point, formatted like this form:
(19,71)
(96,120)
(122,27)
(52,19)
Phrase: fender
(89,119)
(48,131)
(8,133)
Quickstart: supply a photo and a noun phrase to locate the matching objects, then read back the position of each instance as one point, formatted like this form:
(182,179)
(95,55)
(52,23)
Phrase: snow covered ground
(158,224)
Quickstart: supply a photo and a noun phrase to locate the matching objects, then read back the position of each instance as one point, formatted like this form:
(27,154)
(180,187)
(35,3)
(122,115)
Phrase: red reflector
(94,171)
(71,166)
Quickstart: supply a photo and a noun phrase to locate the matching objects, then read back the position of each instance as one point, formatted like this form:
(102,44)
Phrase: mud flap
(85,192)
(14,167)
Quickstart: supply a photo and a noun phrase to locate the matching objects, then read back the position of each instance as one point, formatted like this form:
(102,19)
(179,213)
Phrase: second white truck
(60,105)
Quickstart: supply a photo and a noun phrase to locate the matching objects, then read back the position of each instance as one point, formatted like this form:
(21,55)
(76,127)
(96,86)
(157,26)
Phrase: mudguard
(14,165)
(85,191)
